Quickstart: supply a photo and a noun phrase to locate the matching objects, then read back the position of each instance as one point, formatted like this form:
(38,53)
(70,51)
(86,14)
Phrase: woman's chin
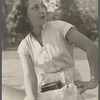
(42,22)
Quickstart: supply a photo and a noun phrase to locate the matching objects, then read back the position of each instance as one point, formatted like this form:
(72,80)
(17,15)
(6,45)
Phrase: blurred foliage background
(67,10)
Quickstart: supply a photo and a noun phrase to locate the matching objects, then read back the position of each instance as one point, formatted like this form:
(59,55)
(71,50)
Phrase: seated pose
(46,54)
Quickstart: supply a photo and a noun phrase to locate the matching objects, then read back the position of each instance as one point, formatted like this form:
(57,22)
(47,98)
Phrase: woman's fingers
(78,84)
(83,90)
(85,85)
(81,85)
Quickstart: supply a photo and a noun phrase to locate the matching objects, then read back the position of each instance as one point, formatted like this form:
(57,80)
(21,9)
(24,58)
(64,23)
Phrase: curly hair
(16,21)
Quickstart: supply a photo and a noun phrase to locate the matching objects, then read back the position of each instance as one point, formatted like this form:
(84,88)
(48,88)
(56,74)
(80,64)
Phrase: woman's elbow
(92,50)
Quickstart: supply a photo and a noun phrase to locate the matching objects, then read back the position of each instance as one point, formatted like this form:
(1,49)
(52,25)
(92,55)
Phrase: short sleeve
(64,27)
(23,47)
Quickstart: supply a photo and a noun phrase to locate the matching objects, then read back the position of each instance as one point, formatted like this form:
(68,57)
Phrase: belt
(51,86)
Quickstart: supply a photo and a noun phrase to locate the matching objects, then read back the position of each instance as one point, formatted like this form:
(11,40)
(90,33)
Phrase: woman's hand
(86,85)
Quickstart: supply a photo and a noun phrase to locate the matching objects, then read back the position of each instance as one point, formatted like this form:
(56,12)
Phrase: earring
(27,21)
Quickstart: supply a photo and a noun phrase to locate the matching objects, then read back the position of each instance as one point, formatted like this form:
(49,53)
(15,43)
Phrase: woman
(46,54)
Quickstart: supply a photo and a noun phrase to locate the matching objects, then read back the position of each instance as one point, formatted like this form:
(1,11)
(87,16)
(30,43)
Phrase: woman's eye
(35,8)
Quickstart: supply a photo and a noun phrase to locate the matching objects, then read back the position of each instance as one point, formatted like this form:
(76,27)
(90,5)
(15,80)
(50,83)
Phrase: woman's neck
(37,34)
(37,31)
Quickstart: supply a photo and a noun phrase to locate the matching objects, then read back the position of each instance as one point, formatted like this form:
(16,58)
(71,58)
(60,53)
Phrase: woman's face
(36,12)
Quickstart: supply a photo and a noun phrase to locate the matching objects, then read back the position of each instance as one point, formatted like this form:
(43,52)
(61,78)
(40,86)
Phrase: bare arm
(30,79)
(88,46)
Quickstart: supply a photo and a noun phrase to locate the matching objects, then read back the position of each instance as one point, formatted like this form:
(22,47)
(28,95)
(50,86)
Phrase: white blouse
(56,53)
(54,61)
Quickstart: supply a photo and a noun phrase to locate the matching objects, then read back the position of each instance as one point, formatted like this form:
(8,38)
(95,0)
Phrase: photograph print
(49,50)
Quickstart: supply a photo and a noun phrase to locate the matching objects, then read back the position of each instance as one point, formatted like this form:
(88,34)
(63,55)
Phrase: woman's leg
(9,93)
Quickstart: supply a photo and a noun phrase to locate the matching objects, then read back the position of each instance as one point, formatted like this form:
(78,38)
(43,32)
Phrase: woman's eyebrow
(33,5)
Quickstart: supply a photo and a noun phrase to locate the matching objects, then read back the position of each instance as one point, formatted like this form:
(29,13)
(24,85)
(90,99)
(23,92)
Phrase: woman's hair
(16,21)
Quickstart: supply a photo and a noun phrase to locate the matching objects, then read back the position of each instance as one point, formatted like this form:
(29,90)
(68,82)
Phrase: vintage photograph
(49,50)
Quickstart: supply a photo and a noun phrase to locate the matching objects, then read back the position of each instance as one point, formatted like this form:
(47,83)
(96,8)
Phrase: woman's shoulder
(57,23)
(27,38)
(24,45)
(24,41)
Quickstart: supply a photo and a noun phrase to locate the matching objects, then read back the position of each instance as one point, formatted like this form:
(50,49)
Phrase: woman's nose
(42,10)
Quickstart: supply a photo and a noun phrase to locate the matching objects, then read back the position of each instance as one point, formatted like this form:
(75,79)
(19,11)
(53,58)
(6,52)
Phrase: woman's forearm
(92,56)
(31,87)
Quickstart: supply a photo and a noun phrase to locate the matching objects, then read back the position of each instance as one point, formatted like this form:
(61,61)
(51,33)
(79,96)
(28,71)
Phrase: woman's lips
(42,17)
